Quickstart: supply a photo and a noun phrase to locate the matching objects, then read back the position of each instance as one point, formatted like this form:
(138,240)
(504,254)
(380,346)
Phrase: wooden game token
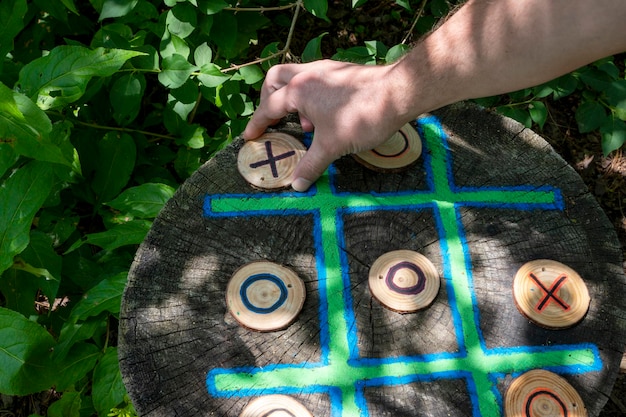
(265,296)
(404,281)
(400,151)
(275,406)
(550,294)
(540,393)
(268,162)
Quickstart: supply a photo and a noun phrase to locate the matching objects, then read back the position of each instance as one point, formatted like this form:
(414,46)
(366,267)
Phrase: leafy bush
(106,107)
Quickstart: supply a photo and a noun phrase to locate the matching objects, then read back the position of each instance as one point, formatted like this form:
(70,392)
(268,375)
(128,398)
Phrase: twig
(417,17)
(262,9)
(283,52)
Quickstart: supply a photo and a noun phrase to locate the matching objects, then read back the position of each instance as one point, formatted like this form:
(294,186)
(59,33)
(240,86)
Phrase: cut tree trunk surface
(485,198)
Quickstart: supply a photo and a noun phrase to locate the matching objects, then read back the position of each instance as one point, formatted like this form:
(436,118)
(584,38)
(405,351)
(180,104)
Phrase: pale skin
(487,47)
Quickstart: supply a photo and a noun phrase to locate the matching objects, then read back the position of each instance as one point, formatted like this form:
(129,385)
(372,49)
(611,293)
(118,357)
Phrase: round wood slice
(265,296)
(275,406)
(268,162)
(541,393)
(400,151)
(486,196)
(404,281)
(550,294)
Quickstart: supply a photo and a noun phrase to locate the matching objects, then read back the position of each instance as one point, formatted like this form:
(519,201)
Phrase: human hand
(351,107)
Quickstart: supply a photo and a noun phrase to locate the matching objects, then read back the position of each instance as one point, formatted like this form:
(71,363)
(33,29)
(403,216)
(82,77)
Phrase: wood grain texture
(486,197)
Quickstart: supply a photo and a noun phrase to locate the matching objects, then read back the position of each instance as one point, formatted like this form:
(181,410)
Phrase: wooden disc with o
(269,161)
(540,393)
(275,406)
(404,281)
(265,296)
(400,151)
(550,294)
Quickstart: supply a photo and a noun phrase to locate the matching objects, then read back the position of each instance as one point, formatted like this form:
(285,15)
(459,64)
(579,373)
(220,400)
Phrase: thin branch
(262,9)
(292,28)
(417,17)
(123,129)
(283,52)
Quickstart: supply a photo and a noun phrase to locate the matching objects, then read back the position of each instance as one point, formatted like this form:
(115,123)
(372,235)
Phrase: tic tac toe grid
(343,373)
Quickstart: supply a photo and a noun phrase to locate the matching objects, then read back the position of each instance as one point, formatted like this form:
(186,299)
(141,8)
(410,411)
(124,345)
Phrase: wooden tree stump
(486,197)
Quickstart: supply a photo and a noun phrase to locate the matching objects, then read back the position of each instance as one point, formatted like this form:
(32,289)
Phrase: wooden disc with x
(269,161)
(550,294)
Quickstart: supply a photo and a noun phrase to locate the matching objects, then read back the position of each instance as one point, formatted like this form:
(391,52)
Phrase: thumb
(311,166)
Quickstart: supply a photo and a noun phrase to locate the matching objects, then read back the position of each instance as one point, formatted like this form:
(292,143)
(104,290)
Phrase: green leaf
(106,296)
(108,389)
(376,48)
(67,406)
(116,8)
(81,359)
(21,196)
(26,128)
(126,96)
(313,49)
(538,113)
(613,135)
(187,162)
(144,201)
(270,49)
(224,33)
(181,20)
(211,6)
(563,86)
(71,333)
(396,52)
(8,157)
(211,76)
(357,55)
(516,113)
(175,71)
(203,55)
(40,255)
(69,4)
(318,8)
(24,355)
(129,233)
(404,3)
(117,155)
(251,74)
(12,14)
(173,45)
(590,115)
(61,77)
(616,94)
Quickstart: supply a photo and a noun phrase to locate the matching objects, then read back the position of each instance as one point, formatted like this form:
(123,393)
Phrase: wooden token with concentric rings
(400,151)
(540,393)
(265,296)
(275,406)
(269,161)
(404,281)
(550,294)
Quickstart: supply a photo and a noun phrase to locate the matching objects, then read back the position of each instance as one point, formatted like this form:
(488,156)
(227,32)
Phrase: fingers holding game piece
(400,151)
(269,161)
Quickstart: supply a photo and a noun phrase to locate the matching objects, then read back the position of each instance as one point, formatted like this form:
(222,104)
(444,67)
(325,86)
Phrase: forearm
(492,47)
